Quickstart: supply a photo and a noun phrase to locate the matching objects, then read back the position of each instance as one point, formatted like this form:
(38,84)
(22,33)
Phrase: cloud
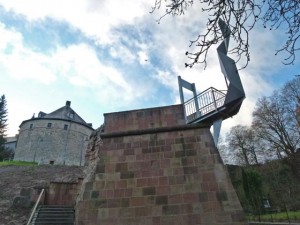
(122,53)
(94,18)
(22,63)
(77,62)
(165,78)
(125,59)
(143,57)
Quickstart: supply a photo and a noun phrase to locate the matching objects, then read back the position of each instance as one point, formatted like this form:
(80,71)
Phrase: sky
(112,55)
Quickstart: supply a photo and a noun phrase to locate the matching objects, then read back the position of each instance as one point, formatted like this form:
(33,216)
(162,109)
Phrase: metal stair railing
(208,101)
(35,206)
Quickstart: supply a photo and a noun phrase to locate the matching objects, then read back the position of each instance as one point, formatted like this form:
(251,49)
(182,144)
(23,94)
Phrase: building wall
(11,146)
(39,143)
(10,143)
(152,169)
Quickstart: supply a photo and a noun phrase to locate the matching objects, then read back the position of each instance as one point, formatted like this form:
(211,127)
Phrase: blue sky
(111,55)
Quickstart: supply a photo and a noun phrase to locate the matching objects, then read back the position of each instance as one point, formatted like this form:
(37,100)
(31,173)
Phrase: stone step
(56,211)
(57,215)
(54,215)
(54,223)
(55,220)
(56,206)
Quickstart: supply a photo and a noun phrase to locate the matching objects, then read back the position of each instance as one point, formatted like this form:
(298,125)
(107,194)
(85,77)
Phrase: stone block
(121,184)
(100,168)
(143,211)
(22,201)
(121,167)
(175,199)
(113,203)
(142,182)
(137,201)
(203,197)
(149,191)
(100,204)
(119,193)
(95,194)
(171,209)
(190,170)
(126,175)
(222,196)
(26,192)
(127,212)
(164,190)
(125,202)
(161,200)
(129,151)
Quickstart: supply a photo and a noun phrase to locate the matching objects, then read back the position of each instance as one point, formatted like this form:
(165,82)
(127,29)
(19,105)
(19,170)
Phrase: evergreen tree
(3,125)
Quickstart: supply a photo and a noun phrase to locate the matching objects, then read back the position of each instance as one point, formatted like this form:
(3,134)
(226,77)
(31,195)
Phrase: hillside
(14,178)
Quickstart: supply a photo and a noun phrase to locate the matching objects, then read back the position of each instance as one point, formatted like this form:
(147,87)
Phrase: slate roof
(63,113)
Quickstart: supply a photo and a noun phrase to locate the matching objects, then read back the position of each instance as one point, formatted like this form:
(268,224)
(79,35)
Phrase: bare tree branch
(241,16)
(274,120)
(242,139)
(285,13)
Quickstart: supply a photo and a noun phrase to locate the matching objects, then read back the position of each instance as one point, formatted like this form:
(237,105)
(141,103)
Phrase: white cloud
(166,78)
(20,62)
(79,63)
(94,18)
(122,53)
(79,66)
(143,58)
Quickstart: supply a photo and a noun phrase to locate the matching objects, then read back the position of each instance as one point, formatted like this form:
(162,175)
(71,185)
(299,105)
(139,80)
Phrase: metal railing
(204,103)
(35,206)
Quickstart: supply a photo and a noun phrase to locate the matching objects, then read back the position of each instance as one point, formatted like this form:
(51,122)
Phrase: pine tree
(3,125)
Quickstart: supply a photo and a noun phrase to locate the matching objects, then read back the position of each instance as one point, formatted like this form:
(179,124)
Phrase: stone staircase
(54,215)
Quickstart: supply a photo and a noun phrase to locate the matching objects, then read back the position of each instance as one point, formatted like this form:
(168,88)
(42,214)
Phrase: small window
(65,127)
(71,115)
(49,125)
(51,162)
(31,126)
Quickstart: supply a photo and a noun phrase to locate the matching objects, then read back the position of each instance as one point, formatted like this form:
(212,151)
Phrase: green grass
(17,163)
(279,216)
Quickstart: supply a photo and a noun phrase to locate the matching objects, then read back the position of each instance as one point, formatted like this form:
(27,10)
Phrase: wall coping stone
(155,130)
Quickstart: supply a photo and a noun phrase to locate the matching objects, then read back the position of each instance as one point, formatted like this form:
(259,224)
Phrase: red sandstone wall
(162,176)
(144,119)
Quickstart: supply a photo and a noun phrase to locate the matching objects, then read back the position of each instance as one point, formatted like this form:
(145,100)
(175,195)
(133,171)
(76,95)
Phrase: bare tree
(274,123)
(241,16)
(242,140)
(291,98)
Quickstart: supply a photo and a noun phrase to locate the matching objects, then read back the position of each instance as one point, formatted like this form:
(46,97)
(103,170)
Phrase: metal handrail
(205,91)
(35,206)
(207,101)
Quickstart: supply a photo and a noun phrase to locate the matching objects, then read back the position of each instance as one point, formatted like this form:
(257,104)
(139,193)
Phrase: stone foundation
(153,169)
